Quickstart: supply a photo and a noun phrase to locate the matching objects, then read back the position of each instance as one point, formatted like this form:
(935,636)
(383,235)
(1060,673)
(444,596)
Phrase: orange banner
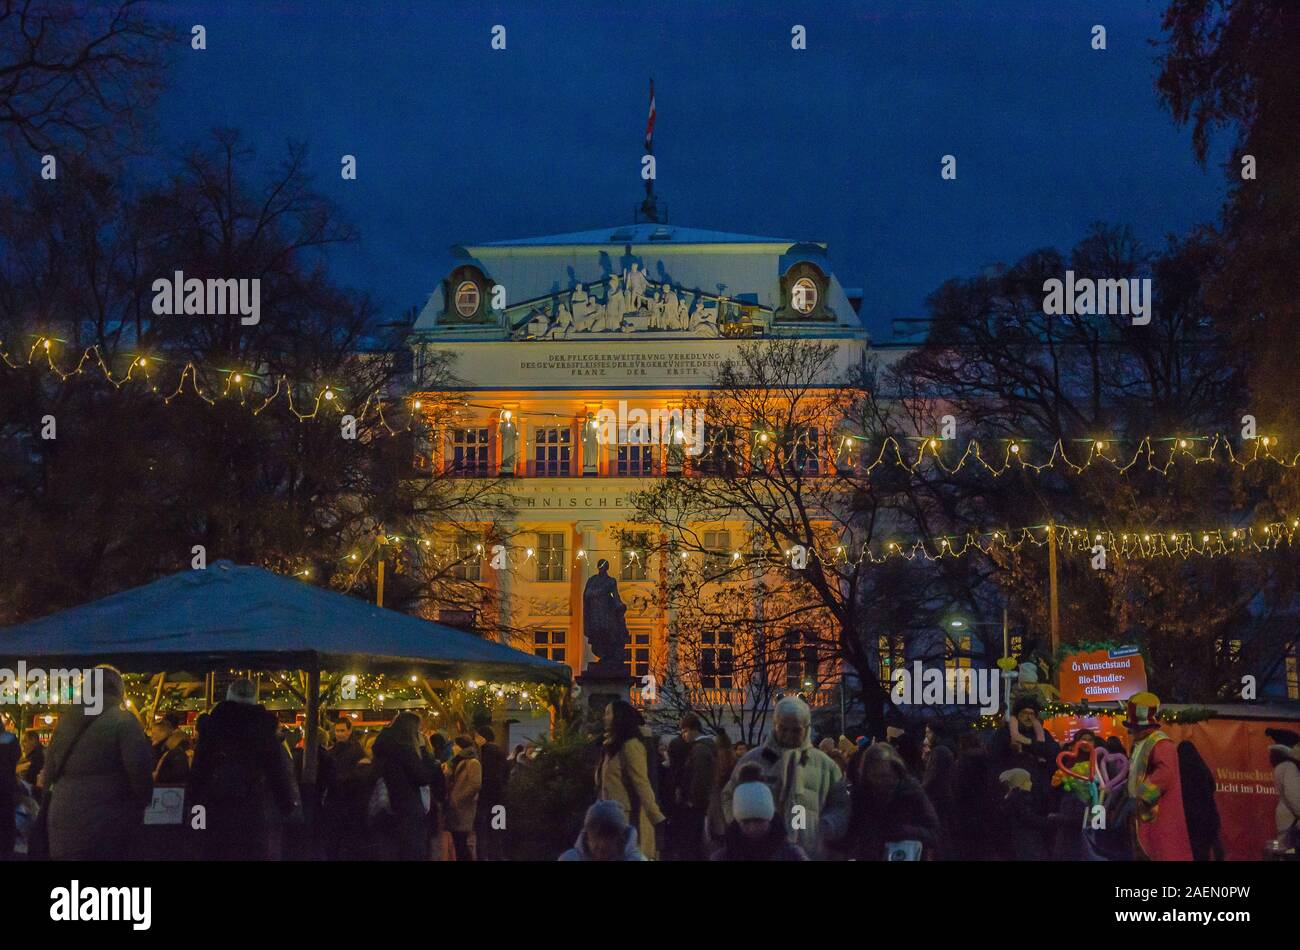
(1102,676)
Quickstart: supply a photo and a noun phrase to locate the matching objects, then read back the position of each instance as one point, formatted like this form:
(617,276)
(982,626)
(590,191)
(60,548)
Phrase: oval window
(803,295)
(467,298)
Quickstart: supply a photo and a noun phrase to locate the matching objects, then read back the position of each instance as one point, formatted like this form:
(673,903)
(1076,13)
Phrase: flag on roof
(650,121)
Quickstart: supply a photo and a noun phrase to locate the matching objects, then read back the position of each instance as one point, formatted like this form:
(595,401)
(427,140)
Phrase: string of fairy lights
(1218,541)
(257,391)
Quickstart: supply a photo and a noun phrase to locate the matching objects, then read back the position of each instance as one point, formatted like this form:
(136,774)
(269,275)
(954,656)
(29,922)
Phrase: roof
(639,234)
(230,616)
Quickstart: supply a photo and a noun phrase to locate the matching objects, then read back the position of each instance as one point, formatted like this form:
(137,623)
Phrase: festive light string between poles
(1103,452)
(1136,544)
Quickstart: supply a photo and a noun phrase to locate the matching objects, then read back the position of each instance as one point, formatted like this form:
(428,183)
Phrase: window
(717,661)
(635,461)
(720,452)
(469,451)
(800,660)
(957,661)
(551,451)
(1227,651)
(467,554)
(803,295)
(890,652)
(802,450)
(549,644)
(1292,674)
(467,298)
(638,654)
(718,559)
(550,556)
(635,558)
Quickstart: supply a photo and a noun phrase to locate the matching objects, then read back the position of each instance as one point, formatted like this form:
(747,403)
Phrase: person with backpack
(623,776)
(492,759)
(242,774)
(98,779)
(407,779)
(465,780)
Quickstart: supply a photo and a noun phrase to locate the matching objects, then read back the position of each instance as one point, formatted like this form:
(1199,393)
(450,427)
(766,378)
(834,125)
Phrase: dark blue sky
(840,143)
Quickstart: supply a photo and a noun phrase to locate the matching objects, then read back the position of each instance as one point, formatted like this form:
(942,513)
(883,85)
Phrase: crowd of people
(411,793)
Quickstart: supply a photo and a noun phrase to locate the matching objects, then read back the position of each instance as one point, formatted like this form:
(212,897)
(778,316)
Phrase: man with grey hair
(808,787)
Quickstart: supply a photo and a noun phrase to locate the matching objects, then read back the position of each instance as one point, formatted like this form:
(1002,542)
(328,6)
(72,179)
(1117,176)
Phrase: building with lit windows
(548,335)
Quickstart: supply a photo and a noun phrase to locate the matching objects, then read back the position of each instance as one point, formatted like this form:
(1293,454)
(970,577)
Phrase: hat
(242,691)
(1143,712)
(893,732)
(1017,778)
(752,800)
(605,817)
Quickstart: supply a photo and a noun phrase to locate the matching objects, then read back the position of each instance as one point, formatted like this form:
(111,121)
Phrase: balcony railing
(736,698)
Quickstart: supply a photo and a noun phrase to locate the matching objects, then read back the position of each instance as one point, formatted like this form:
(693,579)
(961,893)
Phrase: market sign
(1102,676)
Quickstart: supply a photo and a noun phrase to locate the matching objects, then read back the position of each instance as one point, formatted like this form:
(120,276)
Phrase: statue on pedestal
(604,624)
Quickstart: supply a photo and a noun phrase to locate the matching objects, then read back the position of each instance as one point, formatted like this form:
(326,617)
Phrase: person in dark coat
(33,758)
(170,751)
(1198,803)
(694,791)
(492,758)
(1023,743)
(242,775)
(888,805)
(977,819)
(99,776)
(940,765)
(346,752)
(754,832)
(404,762)
(675,756)
(1027,830)
(9,756)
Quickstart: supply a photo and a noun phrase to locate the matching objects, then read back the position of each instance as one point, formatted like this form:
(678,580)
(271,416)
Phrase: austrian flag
(650,121)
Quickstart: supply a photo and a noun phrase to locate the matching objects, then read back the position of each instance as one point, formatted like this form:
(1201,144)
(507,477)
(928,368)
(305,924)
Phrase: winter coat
(9,756)
(465,782)
(696,787)
(1038,758)
(906,815)
(579,850)
(345,756)
(772,847)
(623,778)
(493,760)
(1154,783)
(31,765)
(804,776)
(404,771)
(1028,830)
(243,775)
(98,794)
(1286,776)
(172,767)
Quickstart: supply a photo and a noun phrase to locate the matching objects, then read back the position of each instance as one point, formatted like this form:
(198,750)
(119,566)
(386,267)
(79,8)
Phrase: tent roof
(230,616)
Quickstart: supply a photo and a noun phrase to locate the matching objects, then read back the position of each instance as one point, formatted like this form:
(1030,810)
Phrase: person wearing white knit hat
(755,833)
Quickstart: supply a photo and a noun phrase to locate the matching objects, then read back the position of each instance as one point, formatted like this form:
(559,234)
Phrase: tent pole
(311,729)
(157,698)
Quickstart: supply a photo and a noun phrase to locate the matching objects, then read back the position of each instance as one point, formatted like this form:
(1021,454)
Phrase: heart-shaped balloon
(1080,755)
(1111,767)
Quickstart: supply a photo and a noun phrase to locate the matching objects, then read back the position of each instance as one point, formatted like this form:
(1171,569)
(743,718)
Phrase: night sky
(457,143)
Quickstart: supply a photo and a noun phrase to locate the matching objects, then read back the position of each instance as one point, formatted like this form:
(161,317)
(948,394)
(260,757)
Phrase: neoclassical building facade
(547,342)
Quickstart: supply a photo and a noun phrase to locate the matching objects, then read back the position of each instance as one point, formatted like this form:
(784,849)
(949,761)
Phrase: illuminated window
(1227,650)
(717,658)
(550,556)
(467,298)
(890,652)
(802,450)
(551,450)
(638,654)
(469,451)
(1292,674)
(718,559)
(635,461)
(720,452)
(803,295)
(467,552)
(957,655)
(800,659)
(635,558)
(549,644)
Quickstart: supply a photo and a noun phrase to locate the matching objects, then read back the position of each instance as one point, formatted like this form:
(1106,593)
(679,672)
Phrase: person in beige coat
(623,775)
(464,780)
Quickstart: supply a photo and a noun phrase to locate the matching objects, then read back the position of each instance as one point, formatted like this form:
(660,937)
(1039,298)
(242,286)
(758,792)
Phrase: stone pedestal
(600,687)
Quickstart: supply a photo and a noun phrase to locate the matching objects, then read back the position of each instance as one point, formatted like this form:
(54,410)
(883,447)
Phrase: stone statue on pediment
(615,304)
(635,282)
